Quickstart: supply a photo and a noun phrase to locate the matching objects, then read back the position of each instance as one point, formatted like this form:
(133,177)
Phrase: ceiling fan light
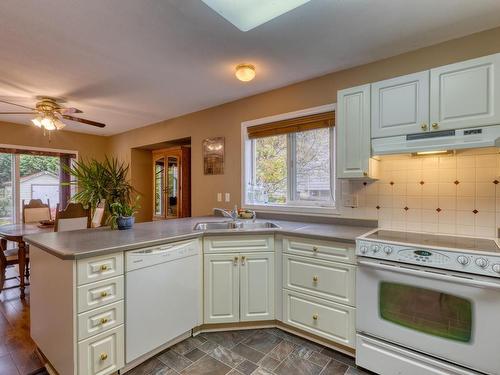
(48,123)
(37,121)
(59,124)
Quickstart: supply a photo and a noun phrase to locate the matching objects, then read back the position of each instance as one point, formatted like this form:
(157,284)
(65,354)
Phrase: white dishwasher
(163,295)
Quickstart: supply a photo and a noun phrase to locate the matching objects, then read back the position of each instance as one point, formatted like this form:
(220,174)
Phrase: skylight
(248,14)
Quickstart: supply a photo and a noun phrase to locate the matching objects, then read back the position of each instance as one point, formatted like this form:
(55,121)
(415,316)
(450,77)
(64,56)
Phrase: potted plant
(122,214)
(97,181)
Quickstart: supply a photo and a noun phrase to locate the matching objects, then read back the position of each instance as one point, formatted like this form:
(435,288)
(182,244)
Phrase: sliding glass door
(7,186)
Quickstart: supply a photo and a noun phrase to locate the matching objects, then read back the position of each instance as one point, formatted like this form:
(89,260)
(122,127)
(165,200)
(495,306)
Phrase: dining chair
(73,217)
(98,214)
(8,257)
(36,211)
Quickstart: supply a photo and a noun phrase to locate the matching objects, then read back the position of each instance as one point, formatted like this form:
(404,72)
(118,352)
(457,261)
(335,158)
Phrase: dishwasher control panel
(149,256)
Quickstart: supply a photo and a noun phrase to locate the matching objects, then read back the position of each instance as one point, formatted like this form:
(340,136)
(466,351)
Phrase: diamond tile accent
(438,209)
(456,182)
(422,182)
(378,207)
(475,211)
(406,208)
(496,182)
(392,182)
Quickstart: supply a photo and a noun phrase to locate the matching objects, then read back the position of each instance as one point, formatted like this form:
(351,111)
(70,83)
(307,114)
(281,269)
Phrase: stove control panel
(488,265)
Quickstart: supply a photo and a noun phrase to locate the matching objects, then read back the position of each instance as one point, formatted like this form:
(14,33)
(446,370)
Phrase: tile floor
(257,352)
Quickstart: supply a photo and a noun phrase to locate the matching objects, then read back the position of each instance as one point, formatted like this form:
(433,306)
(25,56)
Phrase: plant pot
(125,222)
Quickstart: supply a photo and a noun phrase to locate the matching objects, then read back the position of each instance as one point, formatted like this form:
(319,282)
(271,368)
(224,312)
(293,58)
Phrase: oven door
(444,314)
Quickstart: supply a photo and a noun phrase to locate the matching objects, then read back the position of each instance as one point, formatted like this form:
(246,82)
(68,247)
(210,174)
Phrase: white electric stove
(427,304)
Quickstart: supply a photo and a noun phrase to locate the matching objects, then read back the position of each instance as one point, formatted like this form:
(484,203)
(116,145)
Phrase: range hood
(487,136)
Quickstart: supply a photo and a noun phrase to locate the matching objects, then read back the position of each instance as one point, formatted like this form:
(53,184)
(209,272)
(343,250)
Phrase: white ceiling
(130,63)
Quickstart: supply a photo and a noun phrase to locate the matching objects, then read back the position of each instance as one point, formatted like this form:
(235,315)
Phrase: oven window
(429,311)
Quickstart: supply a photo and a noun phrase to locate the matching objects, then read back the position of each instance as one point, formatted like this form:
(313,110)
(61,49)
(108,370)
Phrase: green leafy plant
(98,181)
(118,210)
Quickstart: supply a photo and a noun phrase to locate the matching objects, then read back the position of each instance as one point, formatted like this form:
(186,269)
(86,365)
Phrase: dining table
(16,233)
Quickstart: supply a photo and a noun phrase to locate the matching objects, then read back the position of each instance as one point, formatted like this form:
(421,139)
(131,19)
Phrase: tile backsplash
(450,194)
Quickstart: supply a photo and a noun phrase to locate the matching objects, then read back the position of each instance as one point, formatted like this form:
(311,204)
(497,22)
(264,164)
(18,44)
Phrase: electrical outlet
(219,197)
(228,197)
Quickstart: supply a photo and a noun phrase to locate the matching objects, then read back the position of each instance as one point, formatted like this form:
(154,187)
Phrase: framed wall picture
(213,156)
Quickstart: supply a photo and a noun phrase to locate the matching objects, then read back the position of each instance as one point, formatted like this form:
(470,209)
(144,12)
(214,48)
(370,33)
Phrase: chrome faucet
(233,214)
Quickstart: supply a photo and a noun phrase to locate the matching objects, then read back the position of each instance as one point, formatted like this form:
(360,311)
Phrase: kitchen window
(289,163)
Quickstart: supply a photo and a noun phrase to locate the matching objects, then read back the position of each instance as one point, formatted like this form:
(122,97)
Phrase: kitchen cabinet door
(222,288)
(400,105)
(257,286)
(353,132)
(466,94)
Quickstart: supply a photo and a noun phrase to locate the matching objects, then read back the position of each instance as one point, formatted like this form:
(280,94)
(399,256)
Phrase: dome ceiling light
(245,72)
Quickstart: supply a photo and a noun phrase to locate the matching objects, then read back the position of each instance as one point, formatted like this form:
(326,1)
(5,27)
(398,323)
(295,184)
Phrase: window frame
(292,206)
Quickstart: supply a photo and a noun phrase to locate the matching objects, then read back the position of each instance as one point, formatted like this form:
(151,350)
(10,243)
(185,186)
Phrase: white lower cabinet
(222,288)
(257,286)
(102,354)
(333,321)
(238,286)
(319,281)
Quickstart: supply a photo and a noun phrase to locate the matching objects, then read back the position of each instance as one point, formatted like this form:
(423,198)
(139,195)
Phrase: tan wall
(225,120)
(142,180)
(88,146)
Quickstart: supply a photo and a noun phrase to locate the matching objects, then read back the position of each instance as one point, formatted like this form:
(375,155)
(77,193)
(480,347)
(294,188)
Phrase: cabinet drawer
(328,250)
(102,354)
(330,320)
(331,280)
(99,268)
(99,320)
(101,293)
(238,244)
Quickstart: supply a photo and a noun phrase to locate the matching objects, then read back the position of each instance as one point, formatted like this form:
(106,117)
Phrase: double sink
(229,225)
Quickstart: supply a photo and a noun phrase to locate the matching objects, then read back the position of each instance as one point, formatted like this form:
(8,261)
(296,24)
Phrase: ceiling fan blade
(84,121)
(19,105)
(18,113)
(68,111)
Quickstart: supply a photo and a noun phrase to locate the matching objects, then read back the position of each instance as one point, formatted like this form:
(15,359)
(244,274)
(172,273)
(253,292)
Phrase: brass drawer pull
(435,125)
(243,260)
(104,267)
(315,317)
(103,356)
(104,320)
(235,261)
(424,126)
(315,249)
(104,293)
(315,279)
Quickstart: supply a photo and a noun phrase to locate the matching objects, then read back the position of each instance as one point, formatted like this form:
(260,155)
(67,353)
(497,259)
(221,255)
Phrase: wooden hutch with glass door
(171,183)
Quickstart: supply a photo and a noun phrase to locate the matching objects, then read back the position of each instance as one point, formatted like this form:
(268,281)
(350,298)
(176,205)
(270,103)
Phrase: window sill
(299,210)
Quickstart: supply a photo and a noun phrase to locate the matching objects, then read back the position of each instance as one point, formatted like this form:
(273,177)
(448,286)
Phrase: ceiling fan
(49,113)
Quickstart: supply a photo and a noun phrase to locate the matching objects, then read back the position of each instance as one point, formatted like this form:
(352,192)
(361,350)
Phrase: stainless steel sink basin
(228,225)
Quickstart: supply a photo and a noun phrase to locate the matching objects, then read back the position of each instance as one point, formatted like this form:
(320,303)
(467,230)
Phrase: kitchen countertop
(94,242)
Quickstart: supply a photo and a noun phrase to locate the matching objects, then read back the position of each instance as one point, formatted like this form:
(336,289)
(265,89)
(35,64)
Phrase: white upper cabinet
(466,94)
(400,105)
(353,132)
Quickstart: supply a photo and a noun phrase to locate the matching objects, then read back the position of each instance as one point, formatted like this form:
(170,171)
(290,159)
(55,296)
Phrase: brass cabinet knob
(104,320)
(315,248)
(315,279)
(435,125)
(423,126)
(103,356)
(243,260)
(104,267)
(235,261)
(365,173)
(315,317)
(104,294)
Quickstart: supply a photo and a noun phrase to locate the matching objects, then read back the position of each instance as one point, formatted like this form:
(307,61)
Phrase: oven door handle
(432,275)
